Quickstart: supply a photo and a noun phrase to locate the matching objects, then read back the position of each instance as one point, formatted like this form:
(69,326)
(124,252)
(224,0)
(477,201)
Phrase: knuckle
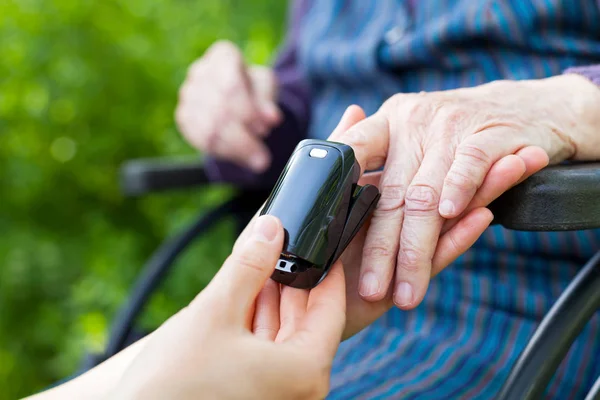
(451,119)
(392,197)
(469,167)
(375,251)
(426,107)
(421,198)
(380,247)
(473,155)
(409,260)
(458,178)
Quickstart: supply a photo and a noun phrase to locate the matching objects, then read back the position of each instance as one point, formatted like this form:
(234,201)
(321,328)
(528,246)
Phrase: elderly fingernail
(447,207)
(403,295)
(266,228)
(258,162)
(369,284)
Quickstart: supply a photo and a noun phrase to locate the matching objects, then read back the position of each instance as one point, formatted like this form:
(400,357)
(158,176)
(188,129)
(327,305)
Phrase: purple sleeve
(294,95)
(294,102)
(592,72)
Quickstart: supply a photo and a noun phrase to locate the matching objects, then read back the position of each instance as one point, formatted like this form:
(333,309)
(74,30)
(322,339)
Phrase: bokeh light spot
(63,149)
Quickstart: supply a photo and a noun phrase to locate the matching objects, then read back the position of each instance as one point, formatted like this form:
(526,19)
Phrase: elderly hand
(242,337)
(226,108)
(446,155)
(460,233)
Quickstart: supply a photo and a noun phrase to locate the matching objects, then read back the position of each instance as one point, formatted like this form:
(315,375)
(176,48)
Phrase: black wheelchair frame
(558,198)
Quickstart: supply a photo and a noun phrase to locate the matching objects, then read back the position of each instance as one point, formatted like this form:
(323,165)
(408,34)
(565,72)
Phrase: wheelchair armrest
(558,198)
(143,176)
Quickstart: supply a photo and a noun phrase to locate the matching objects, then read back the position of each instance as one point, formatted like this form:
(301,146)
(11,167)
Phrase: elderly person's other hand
(226,107)
(446,155)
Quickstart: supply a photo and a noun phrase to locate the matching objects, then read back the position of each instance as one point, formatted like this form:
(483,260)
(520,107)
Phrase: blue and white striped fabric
(479,313)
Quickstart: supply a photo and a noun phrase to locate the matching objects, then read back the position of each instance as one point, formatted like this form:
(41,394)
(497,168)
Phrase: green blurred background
(84,86)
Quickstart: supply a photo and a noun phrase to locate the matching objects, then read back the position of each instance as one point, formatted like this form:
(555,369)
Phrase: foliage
(84,86)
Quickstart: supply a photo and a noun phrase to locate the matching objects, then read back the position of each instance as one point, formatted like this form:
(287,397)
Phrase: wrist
(581,112)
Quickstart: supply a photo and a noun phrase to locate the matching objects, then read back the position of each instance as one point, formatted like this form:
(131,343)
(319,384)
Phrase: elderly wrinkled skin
(227,107)
(468,146)
(438,149)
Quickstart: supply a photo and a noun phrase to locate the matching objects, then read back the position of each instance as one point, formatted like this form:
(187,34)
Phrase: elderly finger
(368,138)
(230,76)
(473,159)
(264,91)
(502,176)
(420,229)
(383,237)
(353,115)
(234,142)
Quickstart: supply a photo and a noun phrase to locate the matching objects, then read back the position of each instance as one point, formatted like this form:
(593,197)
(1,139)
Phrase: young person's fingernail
(266,228)
(403,295)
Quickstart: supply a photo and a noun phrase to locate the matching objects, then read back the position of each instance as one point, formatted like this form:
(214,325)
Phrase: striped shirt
(478,314)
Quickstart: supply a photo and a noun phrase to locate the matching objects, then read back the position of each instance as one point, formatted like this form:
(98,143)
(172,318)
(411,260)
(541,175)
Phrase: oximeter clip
(321,206)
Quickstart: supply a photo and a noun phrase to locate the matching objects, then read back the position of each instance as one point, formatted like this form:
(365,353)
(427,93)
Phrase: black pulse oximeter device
(321,207)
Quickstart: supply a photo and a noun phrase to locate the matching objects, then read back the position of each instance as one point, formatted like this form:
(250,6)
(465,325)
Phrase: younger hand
(242,337)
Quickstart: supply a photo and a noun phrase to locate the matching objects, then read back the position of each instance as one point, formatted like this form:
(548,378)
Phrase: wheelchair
(558,198)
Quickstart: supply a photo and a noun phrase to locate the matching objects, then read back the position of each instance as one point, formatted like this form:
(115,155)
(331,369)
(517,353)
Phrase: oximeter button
(318,153)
